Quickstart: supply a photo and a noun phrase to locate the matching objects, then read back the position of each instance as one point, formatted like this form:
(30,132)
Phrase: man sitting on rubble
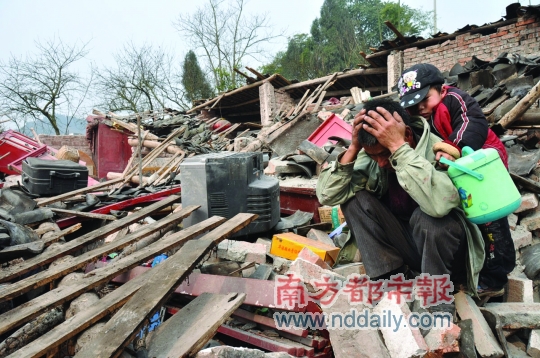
(403,212)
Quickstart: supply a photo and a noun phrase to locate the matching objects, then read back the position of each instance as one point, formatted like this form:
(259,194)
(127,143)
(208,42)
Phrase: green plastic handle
(462,168)
(466,150)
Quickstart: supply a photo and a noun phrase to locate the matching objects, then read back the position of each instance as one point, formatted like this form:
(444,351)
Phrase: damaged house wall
(522,37)
(272,100)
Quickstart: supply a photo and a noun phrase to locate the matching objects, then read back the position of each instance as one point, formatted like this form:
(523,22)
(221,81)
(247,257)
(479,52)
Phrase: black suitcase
(53,177)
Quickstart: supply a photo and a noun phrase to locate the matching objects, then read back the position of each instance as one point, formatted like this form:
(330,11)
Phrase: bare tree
(40,87)
(226,37)
(144,78)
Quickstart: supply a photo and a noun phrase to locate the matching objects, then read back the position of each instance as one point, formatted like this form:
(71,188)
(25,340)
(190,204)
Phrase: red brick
(312,257)
(526,22)
(499,34)
(443,340)
(510,36)
(507,27)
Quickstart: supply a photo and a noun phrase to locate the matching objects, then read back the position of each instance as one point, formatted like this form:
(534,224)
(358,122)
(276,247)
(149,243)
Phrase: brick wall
(522,37)
(78,142)
(283,97)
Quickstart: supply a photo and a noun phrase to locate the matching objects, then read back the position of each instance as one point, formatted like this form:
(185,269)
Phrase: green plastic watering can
(485,187)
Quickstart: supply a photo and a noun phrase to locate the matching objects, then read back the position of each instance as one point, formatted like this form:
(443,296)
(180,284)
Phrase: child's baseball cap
(415,82)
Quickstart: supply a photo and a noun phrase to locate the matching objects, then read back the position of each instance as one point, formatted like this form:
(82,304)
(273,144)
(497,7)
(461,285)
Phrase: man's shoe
(490,292)
(485,294)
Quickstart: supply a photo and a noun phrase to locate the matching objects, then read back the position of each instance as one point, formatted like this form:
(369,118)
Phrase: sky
(109,24)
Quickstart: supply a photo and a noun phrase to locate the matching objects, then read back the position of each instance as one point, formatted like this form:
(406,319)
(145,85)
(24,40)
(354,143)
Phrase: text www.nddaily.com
(365,319)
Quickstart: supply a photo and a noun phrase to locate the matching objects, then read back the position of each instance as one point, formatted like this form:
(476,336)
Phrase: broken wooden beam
(260,76)
(526,183)
(227,94)
(396,32)
(31,331)
(76,244)
(368,60)
(126,323)
(248,78)
(340,75)
(90,189)
(84,214)
(58,235)
(171,148)
(186,332)
(522,106)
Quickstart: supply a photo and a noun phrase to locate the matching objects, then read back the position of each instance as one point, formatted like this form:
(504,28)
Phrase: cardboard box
(289,245)
(325,214)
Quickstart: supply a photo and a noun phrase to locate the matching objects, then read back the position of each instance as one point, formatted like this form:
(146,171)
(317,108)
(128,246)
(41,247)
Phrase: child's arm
(469,125)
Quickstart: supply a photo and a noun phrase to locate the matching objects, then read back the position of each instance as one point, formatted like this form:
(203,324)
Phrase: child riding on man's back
(457,118)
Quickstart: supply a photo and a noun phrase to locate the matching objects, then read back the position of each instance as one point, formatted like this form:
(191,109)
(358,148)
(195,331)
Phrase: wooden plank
(321,97)
(124,325)
(371,62)
(79,262)
(260,76)
(82,320)
(84,214)
(396,32)
(255,100)
(57,236)
(89,189)
(186,332)
(340,75)
(216,102)
(25,312)
(155,153)
(76,244)
(169,169)
(348,92)
(171,148)
(238,90)
(520,108)
(526,183)
(249,79)
(301,102)
(31,331)
(164,167)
